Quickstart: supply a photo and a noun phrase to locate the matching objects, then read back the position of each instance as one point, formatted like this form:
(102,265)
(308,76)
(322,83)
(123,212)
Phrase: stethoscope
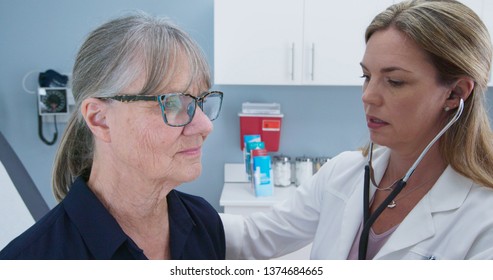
(369,219)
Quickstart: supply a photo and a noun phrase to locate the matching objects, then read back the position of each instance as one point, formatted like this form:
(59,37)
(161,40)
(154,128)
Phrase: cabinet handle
(292,62)
(313,62)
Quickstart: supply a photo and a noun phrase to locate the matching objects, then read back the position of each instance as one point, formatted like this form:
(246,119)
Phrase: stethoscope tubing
(368,222)
(370,218)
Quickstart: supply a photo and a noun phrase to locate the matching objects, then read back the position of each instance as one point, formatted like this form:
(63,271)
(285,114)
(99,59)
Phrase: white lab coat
(453,221)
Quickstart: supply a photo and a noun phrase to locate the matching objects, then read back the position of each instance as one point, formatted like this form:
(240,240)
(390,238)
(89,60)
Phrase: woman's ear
(94,111)
(462,90)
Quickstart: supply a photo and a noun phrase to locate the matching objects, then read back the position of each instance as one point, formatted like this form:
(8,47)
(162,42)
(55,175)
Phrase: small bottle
(282,171)
(318,162)
(304,169)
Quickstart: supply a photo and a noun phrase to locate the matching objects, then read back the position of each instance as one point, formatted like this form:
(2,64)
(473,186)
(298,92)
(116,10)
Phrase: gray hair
(110,59)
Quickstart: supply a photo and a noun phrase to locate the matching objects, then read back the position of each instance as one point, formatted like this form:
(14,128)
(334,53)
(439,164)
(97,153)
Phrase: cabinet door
(258,41)
(334,39)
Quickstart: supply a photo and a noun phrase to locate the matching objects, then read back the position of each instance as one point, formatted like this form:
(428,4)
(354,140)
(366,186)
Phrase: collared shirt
(80,227)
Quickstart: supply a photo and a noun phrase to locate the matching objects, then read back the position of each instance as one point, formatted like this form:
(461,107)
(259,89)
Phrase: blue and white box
(262,176)
(246,153)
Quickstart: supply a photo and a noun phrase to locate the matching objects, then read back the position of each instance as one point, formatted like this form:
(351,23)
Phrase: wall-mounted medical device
(54,101)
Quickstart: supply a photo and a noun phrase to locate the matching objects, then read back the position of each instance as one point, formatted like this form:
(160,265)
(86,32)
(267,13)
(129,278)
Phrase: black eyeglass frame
(125,98)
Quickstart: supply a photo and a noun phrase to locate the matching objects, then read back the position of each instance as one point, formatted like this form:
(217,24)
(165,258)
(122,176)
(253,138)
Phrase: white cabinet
(257,41)
(291,42)
(334,33)
(298,42)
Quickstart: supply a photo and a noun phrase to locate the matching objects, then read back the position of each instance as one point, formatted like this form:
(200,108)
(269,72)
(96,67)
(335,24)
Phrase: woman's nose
(370,93)
(199,124)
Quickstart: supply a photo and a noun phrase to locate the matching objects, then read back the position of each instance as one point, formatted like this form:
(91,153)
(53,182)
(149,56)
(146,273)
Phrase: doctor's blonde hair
(110,59)
(458,44)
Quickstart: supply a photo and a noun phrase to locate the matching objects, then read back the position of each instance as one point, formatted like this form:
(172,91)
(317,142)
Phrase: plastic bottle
(304,169)
(282,171)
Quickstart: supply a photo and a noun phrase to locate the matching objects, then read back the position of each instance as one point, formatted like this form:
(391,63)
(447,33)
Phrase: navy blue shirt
(80,227)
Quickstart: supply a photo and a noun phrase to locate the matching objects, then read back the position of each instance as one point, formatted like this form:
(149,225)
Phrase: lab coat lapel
(354,206)
(350,224)
(449,193)
(417,226)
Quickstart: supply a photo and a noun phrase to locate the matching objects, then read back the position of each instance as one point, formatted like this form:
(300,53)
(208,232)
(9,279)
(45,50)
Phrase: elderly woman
(426,191)
(141,87)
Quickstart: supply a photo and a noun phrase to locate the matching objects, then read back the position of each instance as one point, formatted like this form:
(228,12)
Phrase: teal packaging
(262,176)
(246,153)
(248,156)
(255,153)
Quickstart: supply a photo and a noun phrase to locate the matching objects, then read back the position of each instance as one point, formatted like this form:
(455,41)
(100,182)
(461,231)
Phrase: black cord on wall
(40,131)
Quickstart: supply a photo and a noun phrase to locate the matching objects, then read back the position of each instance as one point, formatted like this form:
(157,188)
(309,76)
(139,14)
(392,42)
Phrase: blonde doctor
(424,189)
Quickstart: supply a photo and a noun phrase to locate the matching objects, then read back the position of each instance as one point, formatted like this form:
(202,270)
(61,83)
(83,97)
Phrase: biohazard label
(271,125)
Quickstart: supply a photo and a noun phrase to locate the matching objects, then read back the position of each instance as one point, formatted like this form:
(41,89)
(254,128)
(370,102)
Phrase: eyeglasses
(178,109)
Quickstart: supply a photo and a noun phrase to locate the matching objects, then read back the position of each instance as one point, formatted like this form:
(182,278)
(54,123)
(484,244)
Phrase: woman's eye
(366,77)
(395,83)
(173,104)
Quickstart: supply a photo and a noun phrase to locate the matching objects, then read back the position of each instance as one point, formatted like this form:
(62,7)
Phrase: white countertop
(241,194)
(237,191)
